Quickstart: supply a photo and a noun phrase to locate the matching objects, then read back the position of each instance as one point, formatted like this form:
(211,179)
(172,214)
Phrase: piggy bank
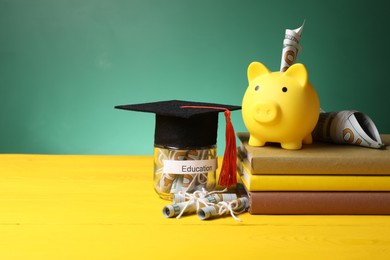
(281,107)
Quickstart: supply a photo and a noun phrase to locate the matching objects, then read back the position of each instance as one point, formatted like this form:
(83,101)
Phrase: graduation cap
(185,124)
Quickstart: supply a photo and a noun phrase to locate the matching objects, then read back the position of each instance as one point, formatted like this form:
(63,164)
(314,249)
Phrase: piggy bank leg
(308,139)
(292,145)
(255,142)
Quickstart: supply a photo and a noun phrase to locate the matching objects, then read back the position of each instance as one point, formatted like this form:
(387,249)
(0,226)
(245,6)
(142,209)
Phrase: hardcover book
(319,203)
(311,182)
(317,158)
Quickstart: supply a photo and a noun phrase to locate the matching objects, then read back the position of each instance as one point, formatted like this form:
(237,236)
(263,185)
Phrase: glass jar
(186,170)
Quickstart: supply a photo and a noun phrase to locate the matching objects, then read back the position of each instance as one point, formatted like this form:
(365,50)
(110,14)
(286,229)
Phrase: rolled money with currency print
(222,208)
(184,170)
(291,47)
(189,180)
(188,207)
(347,127)
(173,210)
(163,181)
(166,182)
(217,197)
(212,198)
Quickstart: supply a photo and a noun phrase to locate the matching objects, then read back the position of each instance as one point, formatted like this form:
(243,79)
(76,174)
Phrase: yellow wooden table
(104,207)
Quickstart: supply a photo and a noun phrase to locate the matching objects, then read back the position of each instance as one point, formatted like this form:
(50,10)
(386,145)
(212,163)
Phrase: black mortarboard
(184,124)
(180,127)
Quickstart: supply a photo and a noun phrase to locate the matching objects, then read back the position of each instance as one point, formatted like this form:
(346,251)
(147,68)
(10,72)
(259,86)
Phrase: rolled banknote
(167,182)
(291,47)
(163,181)
(223,208)
(192,201)
(173,210)
(190,180)
(212,198)
(347,127)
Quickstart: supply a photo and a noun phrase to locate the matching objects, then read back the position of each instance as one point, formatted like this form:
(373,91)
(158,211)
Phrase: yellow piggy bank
(281,107)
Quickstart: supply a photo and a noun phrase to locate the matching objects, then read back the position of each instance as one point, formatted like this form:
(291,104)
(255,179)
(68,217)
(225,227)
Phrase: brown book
(319,203)
(316,158)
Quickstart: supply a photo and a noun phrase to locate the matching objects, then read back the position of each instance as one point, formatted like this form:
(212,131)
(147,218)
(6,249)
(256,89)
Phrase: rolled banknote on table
(291,47)
(212,198)
(191,206)
(176,209)
(237,206)
(347,127)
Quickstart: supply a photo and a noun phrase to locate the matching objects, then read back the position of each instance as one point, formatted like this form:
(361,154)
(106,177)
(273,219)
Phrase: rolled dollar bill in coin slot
(291,47)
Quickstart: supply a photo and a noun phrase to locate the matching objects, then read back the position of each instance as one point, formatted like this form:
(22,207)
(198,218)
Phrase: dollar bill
(176,209)
(212,198)
(347,127)
(291,47)
(237,206)
(183,206)
(344,127)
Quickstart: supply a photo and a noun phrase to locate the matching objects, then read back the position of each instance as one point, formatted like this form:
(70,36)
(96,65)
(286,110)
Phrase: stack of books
(321,178)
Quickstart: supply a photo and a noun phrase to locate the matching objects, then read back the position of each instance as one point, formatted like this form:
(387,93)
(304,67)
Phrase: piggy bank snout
(266,112)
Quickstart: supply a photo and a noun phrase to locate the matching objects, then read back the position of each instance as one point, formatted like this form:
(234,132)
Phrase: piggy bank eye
(284,89)
(257,88)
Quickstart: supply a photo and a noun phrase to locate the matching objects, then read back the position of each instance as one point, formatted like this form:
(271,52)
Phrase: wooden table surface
(104,207)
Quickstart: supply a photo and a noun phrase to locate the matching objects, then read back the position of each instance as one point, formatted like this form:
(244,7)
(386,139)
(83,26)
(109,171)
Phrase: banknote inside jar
(185,170)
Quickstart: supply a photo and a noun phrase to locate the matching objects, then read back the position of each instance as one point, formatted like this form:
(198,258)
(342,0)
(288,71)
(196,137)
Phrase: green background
(64,64)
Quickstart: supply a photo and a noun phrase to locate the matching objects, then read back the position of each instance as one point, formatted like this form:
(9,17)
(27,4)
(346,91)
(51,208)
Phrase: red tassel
(228,174)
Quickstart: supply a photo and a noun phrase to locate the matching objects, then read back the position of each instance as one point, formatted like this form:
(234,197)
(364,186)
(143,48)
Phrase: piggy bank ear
(299,72)
(256,69)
